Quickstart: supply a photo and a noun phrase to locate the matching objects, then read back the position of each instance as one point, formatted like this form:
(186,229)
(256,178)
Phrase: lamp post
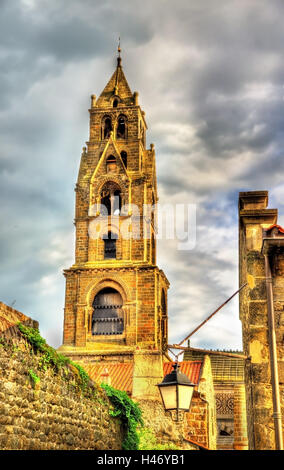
(176,391)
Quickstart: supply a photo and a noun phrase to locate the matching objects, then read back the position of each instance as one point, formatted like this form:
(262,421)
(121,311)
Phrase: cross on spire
(119,51)
(118,48)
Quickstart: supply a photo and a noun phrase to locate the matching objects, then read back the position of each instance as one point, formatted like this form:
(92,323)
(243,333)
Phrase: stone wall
(165,430)
(197,422)
(201,421)
(254,218)
(51,413)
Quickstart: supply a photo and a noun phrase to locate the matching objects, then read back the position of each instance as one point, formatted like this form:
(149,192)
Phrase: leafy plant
(129,413)
(85,379)
(148,441)
(50,357)
(123,407)
(34,377)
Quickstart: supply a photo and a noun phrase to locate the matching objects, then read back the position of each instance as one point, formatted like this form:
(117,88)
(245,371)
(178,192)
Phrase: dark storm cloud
(210,76)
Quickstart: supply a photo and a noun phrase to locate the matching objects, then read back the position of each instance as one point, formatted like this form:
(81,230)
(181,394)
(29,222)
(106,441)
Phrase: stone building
(261,256)
(115,317)
(116,296)
(229,387)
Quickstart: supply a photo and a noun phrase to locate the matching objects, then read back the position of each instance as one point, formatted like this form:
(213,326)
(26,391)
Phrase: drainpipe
(273,357)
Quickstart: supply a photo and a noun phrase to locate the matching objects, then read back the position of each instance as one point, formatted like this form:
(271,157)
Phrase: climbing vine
(129,413)
(123,407)
(85,379)
(50,357)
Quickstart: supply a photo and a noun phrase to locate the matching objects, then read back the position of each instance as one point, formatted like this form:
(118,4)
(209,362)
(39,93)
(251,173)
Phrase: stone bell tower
(116,296)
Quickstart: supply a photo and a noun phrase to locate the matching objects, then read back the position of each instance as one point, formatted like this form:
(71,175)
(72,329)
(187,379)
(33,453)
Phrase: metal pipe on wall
(273,357)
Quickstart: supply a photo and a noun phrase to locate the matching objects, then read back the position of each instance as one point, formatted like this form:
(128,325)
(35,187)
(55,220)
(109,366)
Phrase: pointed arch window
(106,127)
(110,246)
(121,128)
(111,199)
(115,103)
(123,155)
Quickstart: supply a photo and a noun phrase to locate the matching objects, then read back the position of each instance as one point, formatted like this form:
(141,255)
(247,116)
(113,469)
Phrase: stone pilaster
(254,217)
(147,373)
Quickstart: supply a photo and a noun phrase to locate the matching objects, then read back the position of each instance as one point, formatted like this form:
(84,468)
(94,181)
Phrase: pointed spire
(119,51)
(117,85)
(117,68)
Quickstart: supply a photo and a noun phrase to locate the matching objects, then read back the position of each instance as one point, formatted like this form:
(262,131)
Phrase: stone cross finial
(119,51)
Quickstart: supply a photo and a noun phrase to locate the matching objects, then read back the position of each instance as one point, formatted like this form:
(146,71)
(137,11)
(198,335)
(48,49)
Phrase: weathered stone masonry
(254,221)
(52,414)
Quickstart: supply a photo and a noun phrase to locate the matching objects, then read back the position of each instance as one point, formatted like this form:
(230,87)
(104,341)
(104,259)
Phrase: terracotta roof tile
(190,368)
(121,374)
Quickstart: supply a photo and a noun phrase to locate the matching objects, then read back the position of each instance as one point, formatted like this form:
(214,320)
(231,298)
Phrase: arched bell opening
(107,318)
(106,127)
(121,131)
(111,199)
(110,245)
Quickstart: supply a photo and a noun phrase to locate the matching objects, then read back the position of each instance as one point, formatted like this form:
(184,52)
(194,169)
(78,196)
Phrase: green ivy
(129,413)
(50,357)
(34,377)
(123,407)
(85,379)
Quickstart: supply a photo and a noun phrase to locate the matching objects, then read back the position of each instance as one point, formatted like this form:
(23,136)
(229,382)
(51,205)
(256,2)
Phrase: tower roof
(116,86)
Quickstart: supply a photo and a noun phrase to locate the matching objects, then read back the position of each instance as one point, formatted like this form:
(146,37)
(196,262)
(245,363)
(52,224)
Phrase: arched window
(115,103)
(124,158)
(111,199)
(107,318)
(111,164)
(106,127)
(121,128)
(110,246)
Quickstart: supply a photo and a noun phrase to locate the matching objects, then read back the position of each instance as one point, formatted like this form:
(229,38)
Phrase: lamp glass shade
(176,390)
(185,393)
(169,397)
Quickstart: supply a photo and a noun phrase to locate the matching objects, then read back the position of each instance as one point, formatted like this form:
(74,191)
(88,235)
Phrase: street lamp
(176,391)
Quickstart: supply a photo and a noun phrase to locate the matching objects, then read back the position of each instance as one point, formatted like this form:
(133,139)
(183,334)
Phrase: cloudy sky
(210,74)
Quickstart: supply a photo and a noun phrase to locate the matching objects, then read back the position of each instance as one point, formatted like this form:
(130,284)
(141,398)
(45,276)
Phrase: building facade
(230,399)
